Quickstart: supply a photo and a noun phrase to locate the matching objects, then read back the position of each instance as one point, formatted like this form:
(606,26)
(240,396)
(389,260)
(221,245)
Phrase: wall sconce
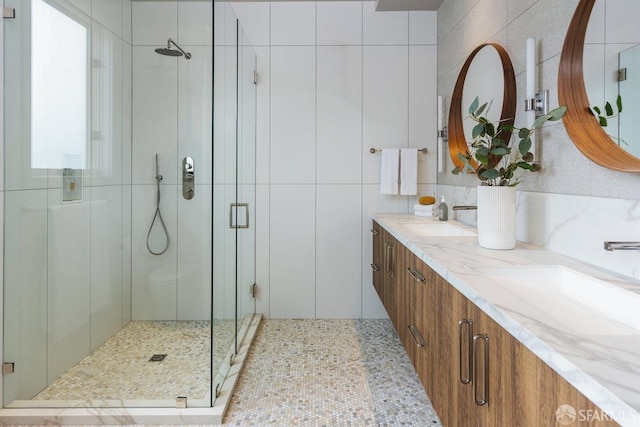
(536,103)
(442,135)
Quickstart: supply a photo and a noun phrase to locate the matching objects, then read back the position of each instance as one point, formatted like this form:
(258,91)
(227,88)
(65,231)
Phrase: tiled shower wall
(573,205)
(335,78)
(171,117)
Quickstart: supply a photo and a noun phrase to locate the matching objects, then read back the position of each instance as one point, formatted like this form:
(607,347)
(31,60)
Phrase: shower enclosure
(129,196)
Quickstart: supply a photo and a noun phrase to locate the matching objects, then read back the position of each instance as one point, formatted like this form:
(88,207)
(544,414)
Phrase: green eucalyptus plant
(608,114)
(498,159)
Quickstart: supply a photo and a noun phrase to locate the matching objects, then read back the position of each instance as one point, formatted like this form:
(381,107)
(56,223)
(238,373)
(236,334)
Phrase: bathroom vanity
(524,337)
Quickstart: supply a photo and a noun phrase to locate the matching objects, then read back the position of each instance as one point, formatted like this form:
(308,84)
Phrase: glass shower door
(234,186)
(246,167)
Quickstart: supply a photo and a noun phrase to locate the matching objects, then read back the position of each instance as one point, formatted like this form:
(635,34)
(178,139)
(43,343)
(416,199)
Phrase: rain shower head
(168,51)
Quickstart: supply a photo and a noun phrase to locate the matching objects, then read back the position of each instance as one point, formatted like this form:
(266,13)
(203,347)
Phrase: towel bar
(375,150)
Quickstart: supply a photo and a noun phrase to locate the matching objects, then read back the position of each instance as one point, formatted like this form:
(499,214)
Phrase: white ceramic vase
(496,217)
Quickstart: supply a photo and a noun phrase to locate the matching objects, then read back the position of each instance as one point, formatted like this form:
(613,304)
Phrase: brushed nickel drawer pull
(374,232)
(461,343)
(419,341)
(485,388)
(417,275)
(389,259)
(375,268)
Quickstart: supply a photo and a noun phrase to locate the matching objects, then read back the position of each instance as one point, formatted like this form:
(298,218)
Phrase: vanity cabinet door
(468,391)
(418,324)
(378,258)
(385,248)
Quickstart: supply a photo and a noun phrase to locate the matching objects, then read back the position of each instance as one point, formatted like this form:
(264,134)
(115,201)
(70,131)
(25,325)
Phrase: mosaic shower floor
(329,373)
(120,368)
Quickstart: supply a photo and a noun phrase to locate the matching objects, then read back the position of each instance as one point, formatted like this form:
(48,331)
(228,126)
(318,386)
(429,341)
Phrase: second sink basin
(573,299)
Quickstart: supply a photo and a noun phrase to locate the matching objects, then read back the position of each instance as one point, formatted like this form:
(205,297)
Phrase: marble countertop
(597,355)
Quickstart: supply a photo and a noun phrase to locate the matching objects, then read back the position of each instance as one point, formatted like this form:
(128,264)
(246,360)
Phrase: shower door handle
(187,178)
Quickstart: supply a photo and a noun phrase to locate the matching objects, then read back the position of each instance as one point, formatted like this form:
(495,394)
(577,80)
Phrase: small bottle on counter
(443,210)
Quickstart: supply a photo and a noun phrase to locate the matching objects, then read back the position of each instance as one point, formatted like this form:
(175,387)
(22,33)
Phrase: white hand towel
(389,170)
(409,171)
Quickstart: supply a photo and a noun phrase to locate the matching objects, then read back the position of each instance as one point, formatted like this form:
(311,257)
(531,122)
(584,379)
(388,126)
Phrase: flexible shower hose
(158,215)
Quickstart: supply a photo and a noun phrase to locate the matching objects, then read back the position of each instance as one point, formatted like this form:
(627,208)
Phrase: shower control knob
(188,178)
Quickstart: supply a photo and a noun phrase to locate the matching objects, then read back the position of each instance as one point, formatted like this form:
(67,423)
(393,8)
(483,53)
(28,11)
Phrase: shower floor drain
(157,358)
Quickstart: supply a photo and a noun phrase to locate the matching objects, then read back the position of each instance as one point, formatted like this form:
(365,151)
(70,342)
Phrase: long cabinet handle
(485,386)
(417,275)
(389,259)
(416,336)
(375,268)
(469,344)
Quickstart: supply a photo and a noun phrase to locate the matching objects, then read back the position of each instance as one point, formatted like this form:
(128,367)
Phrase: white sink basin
(439,229)
(570,300)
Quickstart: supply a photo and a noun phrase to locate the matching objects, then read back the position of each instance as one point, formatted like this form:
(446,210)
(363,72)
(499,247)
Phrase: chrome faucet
(464,208)
(622,246)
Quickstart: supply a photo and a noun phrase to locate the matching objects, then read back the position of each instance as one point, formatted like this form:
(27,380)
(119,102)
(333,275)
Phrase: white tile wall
(293,23)
(127,120)
(342,88)
(107,116)
(338,251)
(154,22)
(223,263)
(618,24)
(293,129)
(263,258)
(339,23)
(155,107)
(126,254)
(106,263)
(263,120)
(339,115)
(110,14)
(385,102)
(422,105)
(68,273)
(292,231)
(193,241)
(255,18)
(194,112)
(154,278)
(384,28)
(195,23)
(423,28)
(25,308)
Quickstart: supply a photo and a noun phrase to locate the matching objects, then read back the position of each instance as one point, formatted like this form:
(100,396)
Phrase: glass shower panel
(246,164)
(224,189)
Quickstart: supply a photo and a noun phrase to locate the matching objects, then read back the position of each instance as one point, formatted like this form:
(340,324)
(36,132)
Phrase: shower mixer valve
(187,178)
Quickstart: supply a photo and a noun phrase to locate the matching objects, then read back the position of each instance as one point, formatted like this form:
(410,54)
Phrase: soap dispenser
(443,210)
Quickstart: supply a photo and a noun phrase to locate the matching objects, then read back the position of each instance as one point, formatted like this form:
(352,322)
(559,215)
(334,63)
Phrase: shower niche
(92,295)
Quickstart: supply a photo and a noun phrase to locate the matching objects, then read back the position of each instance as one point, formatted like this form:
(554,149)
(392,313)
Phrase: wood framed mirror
(582,126)
(458,111)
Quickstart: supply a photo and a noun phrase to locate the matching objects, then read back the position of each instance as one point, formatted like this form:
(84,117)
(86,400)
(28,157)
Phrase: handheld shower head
(168,51)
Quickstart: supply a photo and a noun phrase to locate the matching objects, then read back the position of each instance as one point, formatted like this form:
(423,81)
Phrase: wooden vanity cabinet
(437,325)
(383,268)
(518,387)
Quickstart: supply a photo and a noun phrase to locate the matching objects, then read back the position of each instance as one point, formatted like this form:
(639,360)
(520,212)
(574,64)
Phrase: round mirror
(598,75)
(487,74)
